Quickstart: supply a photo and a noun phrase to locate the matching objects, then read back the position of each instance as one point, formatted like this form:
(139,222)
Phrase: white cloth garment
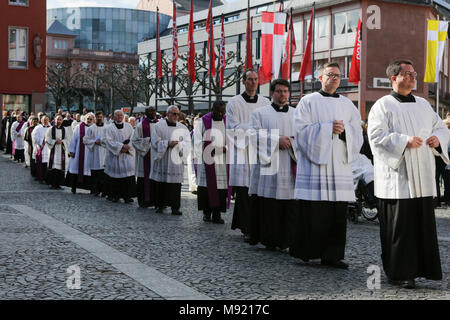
(362,170)
(142,146)
(118,164)
(50,143)
(167,162)
(96,153)
(218,138)
(238,123)
(38,137)
(400,172)
(17,137)
(324,172)
(26,146)
(276,167)
(74,147)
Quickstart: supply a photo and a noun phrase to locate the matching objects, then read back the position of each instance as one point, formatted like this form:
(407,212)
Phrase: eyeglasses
(333,75)
(408,73)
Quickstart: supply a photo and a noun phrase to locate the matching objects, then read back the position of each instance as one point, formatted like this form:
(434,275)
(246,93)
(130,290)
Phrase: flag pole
(211,40)
(157,61)
(291,31)
(437,83)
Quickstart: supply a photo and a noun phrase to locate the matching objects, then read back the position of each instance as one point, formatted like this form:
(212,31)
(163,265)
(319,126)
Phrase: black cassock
(409,239)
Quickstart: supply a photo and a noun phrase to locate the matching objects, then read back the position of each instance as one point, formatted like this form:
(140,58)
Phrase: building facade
(84,65)
(391,30)
(115,29)
(22,61)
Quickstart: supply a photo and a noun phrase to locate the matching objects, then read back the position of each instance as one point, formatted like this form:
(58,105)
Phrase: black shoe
(103,195)
(247,238)
(207,217)
(271,248)
(395,282)
(177,213)
(334,264)
(109,198)
(409,284)
(194,192)
(159,210)
(218,220)
(74,190)
(115,200)
(127,200)
(143,205)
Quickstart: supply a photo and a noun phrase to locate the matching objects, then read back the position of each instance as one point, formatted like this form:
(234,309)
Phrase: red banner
(210,48)
(158,46)
(306,67)
(248,52)
(191,46)
(174,41)
(222,55)
(355,67)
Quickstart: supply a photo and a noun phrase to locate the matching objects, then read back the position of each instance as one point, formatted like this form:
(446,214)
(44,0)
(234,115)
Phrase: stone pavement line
(151,278)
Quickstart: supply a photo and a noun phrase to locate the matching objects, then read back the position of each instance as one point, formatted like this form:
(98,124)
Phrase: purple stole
(81,155)
(210,169)
(20,126)
(52,152)
(146,132)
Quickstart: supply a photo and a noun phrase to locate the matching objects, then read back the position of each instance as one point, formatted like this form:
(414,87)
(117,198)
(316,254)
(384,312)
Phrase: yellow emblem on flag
(437,34)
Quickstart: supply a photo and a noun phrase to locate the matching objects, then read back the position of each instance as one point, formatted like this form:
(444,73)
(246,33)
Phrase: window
(85,65)
(18,39)
(322,26)
(60,44)
(101,66)
(345,22)
(19,2)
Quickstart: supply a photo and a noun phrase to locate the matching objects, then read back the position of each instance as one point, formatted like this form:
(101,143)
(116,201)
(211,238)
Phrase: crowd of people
(289,169)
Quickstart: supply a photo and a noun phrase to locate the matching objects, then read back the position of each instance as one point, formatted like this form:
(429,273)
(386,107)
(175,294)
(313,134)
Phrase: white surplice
(17,137)
(400,172)
(142,146)
(74,147)
(38,137)
(276,167)
(96,153)
(218,142)
(118,164)
(324,172)
(50,143)
(167,162)
(238,123)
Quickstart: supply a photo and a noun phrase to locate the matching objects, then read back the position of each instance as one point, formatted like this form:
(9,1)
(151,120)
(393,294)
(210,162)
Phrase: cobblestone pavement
(211,259)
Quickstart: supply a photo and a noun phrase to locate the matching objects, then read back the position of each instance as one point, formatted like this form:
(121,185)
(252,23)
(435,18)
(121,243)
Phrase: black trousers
(41,173)
(203,200)
(168,194)
(409,241)
(32,167)
(122,187)
(19,155)
(98,181)
(321,229)
(55,177)
(140,190)
(242,209)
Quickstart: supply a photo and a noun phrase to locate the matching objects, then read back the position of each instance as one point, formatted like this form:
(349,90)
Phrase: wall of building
(30,80)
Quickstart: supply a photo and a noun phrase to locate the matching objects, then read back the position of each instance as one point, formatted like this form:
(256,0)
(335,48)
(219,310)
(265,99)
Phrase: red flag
(290,41)
(355,67)
(191,46)
(273,25)
(222,55)
(248,37)
(210,48)
(306,67)
(158,47)
(174,41)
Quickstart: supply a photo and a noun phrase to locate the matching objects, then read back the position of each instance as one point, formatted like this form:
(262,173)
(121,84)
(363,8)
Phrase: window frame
(19,4)
(26,48)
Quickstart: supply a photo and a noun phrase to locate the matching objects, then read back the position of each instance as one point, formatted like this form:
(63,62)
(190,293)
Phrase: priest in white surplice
(29,142)
(171,142)
(57,143)
(119,162)
(210,152)
(17,138)
(238,113)
(328,135)
(40,151)
(78,171)
(141,140)
(273,126)
(96,154)
(405,134)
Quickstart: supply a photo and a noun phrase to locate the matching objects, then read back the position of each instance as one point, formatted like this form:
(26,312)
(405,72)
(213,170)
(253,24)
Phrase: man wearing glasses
(171,143)
(328,135)
(405,134)
(238,113)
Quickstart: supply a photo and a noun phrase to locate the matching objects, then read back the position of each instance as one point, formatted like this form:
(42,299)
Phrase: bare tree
(93,81)
(62,80)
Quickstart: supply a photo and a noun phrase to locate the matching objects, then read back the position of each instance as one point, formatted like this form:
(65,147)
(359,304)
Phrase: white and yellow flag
(437,35)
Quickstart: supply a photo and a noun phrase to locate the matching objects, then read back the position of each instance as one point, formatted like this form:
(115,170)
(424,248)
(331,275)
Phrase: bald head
(118,116)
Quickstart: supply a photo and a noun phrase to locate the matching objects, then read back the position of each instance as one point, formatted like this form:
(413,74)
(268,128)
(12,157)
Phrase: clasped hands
(416,142)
